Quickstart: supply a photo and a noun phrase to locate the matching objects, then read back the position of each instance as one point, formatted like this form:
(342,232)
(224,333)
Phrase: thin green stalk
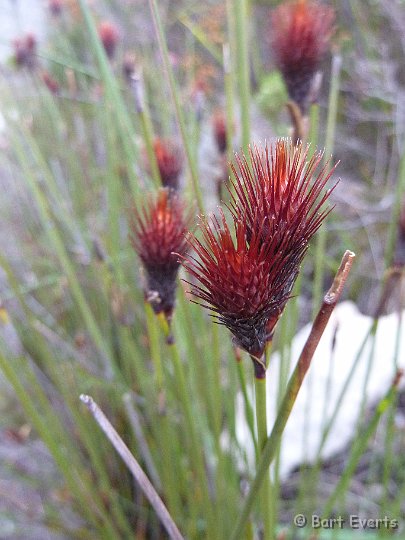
(246,402)
(176,101)
(58,245)
(261,423)
(154,344)
(332,106)
(293,387)
(321,237)
(113,194)
(229,54)
(396,212)
(390,431)
(76,484)
(142,108)
(196,447)
(371,332)
(313,127)
(358,449)
(240,9)
(198,33)
(191,326)
(123,124)
(165,435)
(229,98)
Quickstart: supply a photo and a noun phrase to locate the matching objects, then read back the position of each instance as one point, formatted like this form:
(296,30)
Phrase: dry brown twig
(134,468)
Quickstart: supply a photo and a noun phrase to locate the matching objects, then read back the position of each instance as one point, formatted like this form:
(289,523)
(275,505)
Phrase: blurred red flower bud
(169,161)
(159,236)
(24,50)
(51,83)
(219,125)
(109,36)
(300,37)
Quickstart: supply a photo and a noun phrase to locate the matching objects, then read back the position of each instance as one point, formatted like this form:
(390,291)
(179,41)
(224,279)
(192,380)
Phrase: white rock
(375,371)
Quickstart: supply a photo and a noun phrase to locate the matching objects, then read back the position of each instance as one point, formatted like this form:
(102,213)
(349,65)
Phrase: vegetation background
(76,155)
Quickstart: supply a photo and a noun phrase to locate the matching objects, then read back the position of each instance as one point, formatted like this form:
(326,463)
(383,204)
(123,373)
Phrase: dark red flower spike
(169,161)
(277,205)
(239,280)
(219,126)
(158,235)
(282,194)
(109,37)
(300,36)
(25,51)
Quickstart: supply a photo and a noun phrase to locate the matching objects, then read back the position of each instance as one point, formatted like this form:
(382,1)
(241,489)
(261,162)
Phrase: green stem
(396,212)
(261,423)
(41,422)
(164,435)
(113,94)
(242,62)
(313,127)
(247,405)
(293,387)
(56,240)
(176,101)
(332,106)
(358,449)
(196,448)
(321,237)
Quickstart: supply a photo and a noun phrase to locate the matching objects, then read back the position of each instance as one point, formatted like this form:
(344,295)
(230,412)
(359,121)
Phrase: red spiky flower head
(237,280)
(276,207)
(300,36)
(158,236)
(169,161)
(282,194)
(109,36)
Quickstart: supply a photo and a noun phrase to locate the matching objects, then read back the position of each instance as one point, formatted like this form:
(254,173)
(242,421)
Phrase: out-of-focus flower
(109,36)
(55,7)
(219,126)
(277,206)
(129,65)
(169,161)
(300,37)
(24,51)
(51,83)
(158,235)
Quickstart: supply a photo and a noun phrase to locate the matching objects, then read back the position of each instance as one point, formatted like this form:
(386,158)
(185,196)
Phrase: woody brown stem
(134,467)
(270,448)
